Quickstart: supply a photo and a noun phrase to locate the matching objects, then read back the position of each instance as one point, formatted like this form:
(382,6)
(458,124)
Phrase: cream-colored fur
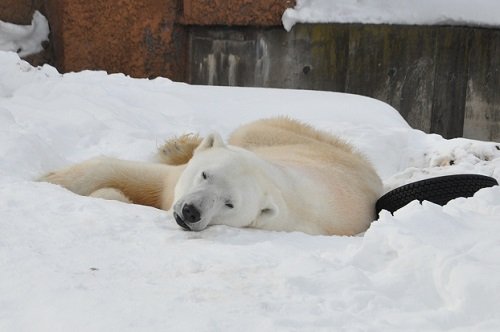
(300,179)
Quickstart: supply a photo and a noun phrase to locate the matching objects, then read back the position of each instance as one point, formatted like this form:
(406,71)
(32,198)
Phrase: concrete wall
(442,79)
(138,38)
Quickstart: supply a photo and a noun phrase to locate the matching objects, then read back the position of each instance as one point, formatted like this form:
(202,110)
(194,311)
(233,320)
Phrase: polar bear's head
(222,185)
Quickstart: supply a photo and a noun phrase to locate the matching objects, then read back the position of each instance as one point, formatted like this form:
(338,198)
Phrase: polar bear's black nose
(190,213)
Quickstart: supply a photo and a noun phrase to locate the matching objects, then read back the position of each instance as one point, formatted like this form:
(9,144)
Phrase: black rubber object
(439,190)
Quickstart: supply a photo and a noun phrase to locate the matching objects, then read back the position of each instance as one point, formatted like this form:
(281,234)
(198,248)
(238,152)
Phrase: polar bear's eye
(229,205)
(204,175)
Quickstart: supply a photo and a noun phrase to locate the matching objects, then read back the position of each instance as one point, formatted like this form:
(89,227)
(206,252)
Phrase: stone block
(138,38)
(17,11)
(235,12)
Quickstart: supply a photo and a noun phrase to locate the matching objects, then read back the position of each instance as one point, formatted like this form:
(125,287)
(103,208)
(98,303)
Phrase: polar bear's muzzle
(190,215)
(181,222)
(194,211)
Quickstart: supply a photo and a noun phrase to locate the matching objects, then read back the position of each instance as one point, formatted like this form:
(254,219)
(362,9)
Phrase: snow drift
(79,263)
(423,12)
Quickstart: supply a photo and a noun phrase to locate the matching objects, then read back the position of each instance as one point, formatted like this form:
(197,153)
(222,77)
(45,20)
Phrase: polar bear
(275,174)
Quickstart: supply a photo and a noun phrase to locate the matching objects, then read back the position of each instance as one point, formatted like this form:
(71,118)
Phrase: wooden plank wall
(444,80)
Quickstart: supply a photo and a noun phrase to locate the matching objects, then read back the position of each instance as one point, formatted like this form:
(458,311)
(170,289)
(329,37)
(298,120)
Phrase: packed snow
(24,39)
(422,12)
(69,262)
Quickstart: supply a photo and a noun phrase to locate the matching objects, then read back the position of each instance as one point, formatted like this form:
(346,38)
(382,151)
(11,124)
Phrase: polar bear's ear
(270,209)
(213,140)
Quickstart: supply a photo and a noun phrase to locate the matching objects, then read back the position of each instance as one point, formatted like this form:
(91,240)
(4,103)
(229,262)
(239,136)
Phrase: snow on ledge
(410,12)
(24,39)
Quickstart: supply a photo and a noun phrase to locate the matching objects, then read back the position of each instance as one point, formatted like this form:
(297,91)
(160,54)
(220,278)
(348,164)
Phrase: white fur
(277,174)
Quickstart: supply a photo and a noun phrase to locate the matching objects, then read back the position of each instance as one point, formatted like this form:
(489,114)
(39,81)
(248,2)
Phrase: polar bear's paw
(111,194)
(82,178)
(179,150)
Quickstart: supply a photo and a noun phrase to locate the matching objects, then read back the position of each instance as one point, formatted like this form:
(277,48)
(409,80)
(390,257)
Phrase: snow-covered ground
(427,12)
(76,263)
(24,39)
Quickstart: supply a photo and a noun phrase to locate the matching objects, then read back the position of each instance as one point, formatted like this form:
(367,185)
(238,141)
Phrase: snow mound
(423,12)
(24,39)
(76,263)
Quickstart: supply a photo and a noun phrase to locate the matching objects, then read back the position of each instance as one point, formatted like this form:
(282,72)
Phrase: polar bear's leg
(142,183)
(179,150)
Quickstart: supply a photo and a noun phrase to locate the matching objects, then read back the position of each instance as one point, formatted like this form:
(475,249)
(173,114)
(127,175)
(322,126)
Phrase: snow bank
(76,263)
(423,12)
(24,39)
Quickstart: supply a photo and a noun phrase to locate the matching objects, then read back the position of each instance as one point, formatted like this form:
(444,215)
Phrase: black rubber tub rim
(439,190)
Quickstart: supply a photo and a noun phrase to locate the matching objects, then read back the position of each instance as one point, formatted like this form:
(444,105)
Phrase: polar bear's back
(281,131)
(284,139)
(345,181)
